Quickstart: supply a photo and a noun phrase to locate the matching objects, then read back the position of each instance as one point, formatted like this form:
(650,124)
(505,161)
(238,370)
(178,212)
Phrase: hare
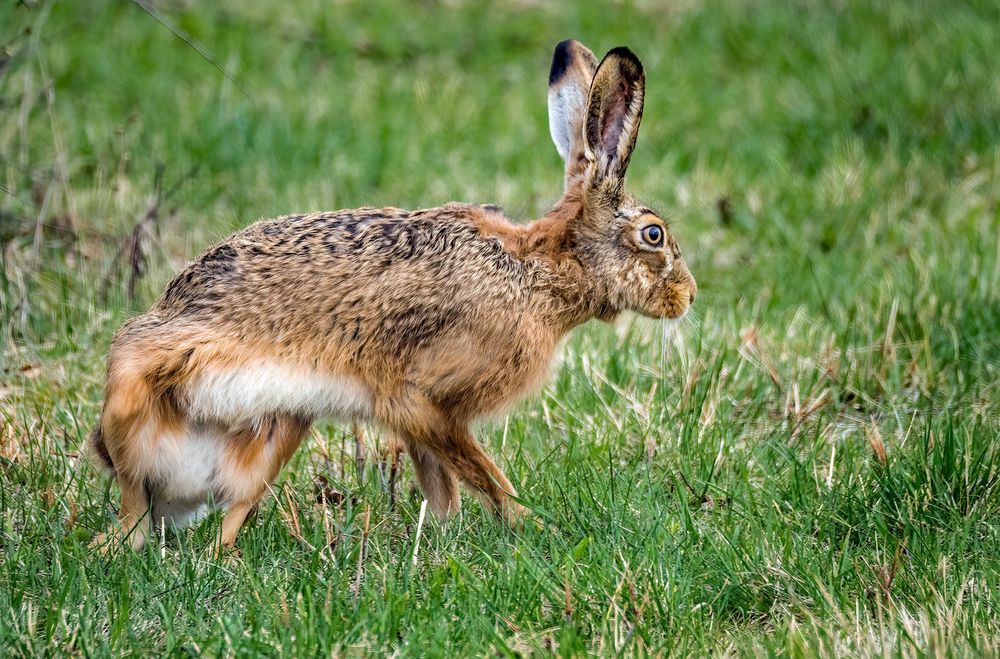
(419,322)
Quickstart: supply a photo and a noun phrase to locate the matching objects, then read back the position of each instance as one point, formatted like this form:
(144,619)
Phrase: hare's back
(295,267)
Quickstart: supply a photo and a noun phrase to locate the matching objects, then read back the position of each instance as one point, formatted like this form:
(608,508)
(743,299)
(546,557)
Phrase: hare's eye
(653,235)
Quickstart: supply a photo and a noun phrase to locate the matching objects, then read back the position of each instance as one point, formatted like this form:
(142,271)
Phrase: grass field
(810,466)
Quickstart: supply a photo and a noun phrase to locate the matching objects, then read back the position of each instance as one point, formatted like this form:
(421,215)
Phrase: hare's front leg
(429,431)
(458,452)
(439,485)
(480,473)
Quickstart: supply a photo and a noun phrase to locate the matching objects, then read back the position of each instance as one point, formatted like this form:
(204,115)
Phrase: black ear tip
(561,58)
(627,57)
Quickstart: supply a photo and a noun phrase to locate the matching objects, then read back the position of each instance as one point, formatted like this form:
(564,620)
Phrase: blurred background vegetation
(809,467)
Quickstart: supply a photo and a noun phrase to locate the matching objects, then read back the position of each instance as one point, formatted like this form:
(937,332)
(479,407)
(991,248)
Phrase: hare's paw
(226,554)
(114,537)
(103,542)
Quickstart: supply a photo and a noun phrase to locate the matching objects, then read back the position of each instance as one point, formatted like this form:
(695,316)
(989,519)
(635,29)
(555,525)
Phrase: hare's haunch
(419,322)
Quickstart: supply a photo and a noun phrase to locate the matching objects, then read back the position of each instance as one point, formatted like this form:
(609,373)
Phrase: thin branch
(190,41)
(17,196)
(134,244)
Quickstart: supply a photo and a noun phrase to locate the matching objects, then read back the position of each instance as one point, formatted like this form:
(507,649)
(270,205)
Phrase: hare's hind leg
(253,459)
(134,522)
(133,515)
(236,516)
(129,427)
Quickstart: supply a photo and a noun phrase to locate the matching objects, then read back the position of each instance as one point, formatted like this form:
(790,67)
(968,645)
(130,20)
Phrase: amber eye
(653,235)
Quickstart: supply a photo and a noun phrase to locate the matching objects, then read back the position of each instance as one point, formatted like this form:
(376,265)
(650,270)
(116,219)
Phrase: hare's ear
(573,67)
(613,114)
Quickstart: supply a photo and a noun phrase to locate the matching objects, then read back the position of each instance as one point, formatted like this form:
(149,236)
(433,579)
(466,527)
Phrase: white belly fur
(249,393)
(189,467)
(182,469)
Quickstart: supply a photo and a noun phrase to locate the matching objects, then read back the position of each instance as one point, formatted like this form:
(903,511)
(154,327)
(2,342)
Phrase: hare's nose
(692,292)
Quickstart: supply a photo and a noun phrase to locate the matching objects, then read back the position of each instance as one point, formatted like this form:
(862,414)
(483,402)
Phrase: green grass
(811,467)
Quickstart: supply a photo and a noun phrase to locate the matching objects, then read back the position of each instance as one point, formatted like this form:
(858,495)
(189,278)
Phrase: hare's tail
(99,450)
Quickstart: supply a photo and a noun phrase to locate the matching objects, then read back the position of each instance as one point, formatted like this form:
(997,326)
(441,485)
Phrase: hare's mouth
(671,320)
(676,312)
(670,302)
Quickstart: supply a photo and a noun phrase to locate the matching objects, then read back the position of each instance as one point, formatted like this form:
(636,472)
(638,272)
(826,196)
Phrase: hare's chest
(497,375)
(253,391)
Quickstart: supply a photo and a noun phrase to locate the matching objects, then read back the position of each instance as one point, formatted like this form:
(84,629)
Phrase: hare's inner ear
(573,67)
(613,114)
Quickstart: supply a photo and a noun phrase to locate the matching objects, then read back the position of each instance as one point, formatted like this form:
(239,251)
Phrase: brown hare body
(420,322)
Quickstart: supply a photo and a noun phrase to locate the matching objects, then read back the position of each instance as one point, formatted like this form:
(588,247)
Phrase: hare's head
(594,113)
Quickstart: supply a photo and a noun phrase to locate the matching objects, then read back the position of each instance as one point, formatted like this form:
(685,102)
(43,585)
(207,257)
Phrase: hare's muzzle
(675,295)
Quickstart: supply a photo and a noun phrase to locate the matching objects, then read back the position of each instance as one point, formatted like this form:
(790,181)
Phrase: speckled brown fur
(441,316)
